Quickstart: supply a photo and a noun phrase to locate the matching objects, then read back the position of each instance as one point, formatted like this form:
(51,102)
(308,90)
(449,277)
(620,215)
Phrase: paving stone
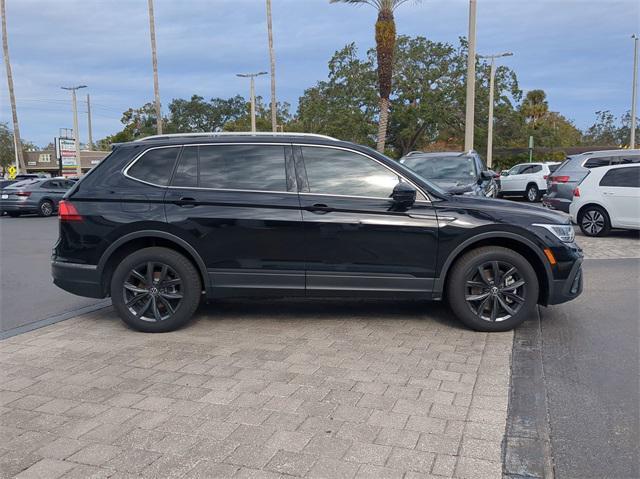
(438,443)
(169,466)
(211,470)
(61,448)
(368,471)
(46,469)
(251,456)
(388,419)
(333,468)
(83,471)
(481,449)
(397,437)
(291,463)
(95,454)
(248,473)
(327,446)
(470,468)
(410,460)
(132,461)
(290,441)
(444,465)
(367,453)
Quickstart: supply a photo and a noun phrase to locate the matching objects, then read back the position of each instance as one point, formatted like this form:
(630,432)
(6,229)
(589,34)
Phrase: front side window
(515,170)
(338,172)
(155,165)
(242,167)
(622,178)
(186,174)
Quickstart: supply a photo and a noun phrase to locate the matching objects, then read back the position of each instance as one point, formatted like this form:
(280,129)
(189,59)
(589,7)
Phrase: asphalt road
(591,360)
(27,294)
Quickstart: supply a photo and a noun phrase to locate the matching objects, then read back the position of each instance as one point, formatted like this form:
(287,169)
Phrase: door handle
(319,208)
(185,202)
(606,193)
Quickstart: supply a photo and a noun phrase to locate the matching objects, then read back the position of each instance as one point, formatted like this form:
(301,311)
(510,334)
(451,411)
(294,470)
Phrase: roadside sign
(12,172)
(66,148)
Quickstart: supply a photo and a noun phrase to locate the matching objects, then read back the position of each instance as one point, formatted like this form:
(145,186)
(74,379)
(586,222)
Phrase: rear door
(620,189)
(238,206)
(356,240)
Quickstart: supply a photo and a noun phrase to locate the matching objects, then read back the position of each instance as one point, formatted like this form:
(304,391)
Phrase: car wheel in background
(492,289)
(532,194)
(594,221)
(155,290)
(45,208)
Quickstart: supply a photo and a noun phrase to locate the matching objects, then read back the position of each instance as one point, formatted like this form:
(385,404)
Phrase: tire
(13,214)
(161,305)
(464,283)
(594,221)
(532,194)
(45,208)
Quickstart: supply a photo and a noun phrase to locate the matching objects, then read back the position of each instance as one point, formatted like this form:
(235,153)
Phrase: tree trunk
(272,56)
(12,97)
(382,124)
(154,60)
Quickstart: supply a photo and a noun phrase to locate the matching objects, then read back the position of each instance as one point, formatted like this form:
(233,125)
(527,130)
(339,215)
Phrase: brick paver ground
(257,390)
(618,244)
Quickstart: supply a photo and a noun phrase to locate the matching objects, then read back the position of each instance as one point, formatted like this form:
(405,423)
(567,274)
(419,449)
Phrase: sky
(578,51)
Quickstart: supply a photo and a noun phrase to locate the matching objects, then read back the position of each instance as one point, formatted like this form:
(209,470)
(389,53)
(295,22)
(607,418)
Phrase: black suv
(164,221)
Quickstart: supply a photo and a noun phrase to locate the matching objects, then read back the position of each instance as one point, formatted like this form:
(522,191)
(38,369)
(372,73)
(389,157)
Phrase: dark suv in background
(162,222)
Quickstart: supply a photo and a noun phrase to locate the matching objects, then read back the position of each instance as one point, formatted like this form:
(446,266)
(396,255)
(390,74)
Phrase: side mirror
(404,195)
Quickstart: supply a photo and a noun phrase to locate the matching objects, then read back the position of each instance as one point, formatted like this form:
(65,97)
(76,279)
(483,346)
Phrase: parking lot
(299,388)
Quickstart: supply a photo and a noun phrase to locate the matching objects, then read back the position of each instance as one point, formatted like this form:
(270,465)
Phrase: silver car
(39,196)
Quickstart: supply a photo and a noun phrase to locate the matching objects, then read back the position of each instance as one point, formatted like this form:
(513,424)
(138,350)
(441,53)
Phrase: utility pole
(20,165)
(76,132)
(471,79)
(272,56)
(252,92)
(89,122)
(492,78)
(634,92)
(154,60)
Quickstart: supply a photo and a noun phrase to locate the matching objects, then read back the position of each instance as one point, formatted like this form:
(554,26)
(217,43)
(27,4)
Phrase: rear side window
(242,167)
(530,169)
(186,174)
(597,162)
(155,165)
(622,177)
(624,160)
(553,168)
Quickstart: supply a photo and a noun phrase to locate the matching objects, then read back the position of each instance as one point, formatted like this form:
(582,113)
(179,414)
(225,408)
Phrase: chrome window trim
(125,171)
(427,199)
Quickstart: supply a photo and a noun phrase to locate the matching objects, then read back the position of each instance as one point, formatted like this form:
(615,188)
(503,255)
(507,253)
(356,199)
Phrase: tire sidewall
(532,188)
(607,224)
(190,281)
(42,213)
(467,264)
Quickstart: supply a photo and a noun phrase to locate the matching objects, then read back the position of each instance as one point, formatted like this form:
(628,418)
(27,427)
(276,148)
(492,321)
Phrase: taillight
(559,179)
(68,212)
(576,192)
(23,193)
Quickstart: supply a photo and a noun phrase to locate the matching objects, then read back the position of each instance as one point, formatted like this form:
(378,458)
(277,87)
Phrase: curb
(54,319)
(527,444)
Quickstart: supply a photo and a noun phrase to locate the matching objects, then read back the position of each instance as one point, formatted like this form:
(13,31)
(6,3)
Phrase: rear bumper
(563,290)
(79,279)
(561,204)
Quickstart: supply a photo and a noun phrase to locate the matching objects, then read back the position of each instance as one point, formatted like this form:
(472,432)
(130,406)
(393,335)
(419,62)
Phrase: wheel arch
(142,239)
(521,245)
(591,203)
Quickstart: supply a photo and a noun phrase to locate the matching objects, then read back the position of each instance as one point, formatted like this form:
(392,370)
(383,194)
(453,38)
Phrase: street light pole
(471,79)
(76,133)
(252,92)
(154,61)
(272,56)
(492,78)
(634,92)
(90,146)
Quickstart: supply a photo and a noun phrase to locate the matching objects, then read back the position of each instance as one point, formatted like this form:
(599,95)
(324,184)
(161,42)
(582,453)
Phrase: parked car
(5,183)
(526,179)
(33,196)
(30,176)
(608,197)
(563,181)
(458,173)
(168,220)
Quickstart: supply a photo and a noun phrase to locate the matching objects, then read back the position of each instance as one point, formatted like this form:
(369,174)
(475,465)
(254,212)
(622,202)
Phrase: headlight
(564,233)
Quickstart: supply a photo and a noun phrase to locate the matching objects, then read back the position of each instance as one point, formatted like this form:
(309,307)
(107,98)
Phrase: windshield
(443,167)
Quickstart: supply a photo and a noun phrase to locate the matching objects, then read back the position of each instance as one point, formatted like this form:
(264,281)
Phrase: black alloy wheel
(45,208)
(152,291)
(495,291)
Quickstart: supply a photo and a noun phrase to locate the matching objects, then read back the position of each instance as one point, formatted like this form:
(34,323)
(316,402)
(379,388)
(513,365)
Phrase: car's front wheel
(492,289)
(155,290)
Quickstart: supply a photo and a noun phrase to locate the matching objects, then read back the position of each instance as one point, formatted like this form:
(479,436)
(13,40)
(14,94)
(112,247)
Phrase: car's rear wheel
(492,289)
(532,194)
(45,208)
(156,290)
(594,221)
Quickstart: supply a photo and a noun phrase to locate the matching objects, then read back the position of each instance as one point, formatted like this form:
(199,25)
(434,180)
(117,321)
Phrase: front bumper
(79,279)
(563,290)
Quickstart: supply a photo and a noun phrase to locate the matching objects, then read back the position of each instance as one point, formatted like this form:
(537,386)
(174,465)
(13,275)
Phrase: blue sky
(578,51)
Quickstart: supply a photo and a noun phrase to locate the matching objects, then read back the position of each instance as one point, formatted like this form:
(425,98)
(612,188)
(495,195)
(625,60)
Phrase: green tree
(263,116)
(609,130)
(385,48)
(198,115)
(534,106)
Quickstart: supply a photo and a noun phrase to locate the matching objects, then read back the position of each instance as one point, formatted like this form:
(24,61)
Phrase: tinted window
(187,171)
(528,169)
(449,167)
(340,172)
(50,184)
(622,177)
(597,162)
(553,168)
(155,166)
(516,169)
(623,160)
(243,167)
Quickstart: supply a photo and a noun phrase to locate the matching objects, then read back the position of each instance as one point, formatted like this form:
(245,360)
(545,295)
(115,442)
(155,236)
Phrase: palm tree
(12,96)
(385,47)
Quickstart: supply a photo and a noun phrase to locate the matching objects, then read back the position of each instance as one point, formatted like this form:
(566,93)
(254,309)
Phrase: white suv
(608,197)
(526,179)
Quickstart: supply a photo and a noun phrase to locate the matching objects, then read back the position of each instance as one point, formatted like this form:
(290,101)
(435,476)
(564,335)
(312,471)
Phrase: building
(45,161)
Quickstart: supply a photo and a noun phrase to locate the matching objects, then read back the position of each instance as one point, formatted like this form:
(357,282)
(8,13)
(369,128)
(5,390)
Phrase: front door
(620,189)
(239,208)
(356,238)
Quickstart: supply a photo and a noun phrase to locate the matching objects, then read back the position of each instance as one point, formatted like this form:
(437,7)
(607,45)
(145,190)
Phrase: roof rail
(232,133)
